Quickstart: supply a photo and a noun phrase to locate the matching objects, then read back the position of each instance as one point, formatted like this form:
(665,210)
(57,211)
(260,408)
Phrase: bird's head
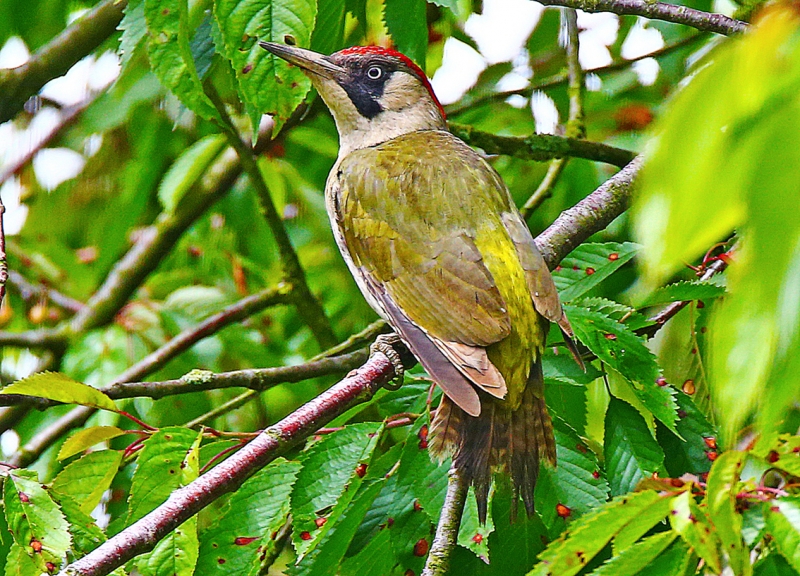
(374,93)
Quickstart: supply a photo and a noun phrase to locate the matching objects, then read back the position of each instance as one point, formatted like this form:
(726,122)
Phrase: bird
(439,250)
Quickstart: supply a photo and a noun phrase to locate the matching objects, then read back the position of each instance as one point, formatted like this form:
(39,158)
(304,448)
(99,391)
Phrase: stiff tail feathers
(499,439)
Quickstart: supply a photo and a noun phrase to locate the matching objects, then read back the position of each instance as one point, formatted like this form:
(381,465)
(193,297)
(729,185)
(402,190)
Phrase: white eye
(374,73)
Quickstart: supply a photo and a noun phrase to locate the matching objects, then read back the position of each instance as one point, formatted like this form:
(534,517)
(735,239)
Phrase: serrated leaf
(642,524)
(721,490)
(774,565)
(60,388)
(171,57)
(619,312)
(86,535)
(176,553)
(692,524)
(562,368)
(408,26)
(588,265)
(683,291)
(577,482)
(86,479)
(691,451)
(782,451)
(20,563)
(251,517)
(472,535)
(637,556)
(86,438)
(267,83)
(158,469)
(328,34)
(325,558)
(134,28)
(34,519)
(625,352)
(589,535)
(187,169)
(631,452)
(329,468)
(783,524)
(202,47)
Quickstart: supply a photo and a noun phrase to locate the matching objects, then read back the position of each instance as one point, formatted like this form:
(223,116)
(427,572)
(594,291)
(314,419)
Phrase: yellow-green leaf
(86,438)
(60,388)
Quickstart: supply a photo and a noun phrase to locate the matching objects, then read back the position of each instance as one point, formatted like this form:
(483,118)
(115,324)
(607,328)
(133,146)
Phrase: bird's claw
(385,345)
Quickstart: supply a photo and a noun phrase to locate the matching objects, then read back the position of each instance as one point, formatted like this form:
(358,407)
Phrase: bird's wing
(419,259)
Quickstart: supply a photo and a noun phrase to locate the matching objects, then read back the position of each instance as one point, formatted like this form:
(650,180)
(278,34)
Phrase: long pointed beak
(306,59)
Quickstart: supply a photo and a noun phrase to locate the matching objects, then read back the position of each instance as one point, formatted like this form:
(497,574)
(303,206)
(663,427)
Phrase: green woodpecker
(439,250)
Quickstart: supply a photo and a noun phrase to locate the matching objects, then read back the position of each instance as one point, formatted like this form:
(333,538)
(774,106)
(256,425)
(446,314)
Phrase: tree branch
(3,263)
(30,291)
(677,14)
(233,472)
(588,216)
(438,562)
(58,56)
(309,308)
(542,147)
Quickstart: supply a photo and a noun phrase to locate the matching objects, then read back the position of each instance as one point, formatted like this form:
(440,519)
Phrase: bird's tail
(498,440)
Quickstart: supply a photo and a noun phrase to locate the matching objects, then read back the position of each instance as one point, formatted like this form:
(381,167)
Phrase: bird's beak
(306,59)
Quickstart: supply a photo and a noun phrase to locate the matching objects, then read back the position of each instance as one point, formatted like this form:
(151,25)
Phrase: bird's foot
(385,344)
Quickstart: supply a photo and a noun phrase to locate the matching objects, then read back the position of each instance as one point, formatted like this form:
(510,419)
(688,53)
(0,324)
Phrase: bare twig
(30,291)
(368,334)
(438,562)
(3,263)
(575,125)
(474,98)
(542,147)
(233,472)
(698,19)
(58,56)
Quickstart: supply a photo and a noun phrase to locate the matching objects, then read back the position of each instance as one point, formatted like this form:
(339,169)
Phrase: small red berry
(421,547)
(689,387)
(478,538)
(773,457)
(243,540)
(613,256)
(320,522)
(661,381)
(417,506)
(563,511)
(596,474)
(361,470)
(711,442)
(305,535)
(711,455)
(589,271)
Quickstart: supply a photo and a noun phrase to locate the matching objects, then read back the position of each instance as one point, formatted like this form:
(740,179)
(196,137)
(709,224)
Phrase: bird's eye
(374,72)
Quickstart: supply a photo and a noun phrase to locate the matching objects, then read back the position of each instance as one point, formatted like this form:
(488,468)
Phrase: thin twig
(542,147)
(30,291)
(438,562)
(474,98)
(368,334)
(58,56)
(575,124)
(706,21)
(234,471)
(3,263)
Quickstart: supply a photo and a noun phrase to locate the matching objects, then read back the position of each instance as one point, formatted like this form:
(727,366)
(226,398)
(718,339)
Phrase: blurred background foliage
(130,220)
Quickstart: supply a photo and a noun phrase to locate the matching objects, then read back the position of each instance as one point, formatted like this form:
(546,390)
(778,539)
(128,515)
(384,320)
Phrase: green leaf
(677,560)
(328,474)
(691,450)
(408,26)
(619,312)
(692,524)
(324,559)
(171,57)
(249,521)
(588,536)
(34,519)
(268,84)
(176,553)
(134,28)
(328,35)
(86,438)
(577,482)
(625,352)
(86,479)
(721,489)
(472,535)
(588,265)
(783,524)
(642,524)
(158,469)
(638,556)
(683,291)
(631,452)
(20,563)
(60,388)
(773,565)
(372,560)
(187,169)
